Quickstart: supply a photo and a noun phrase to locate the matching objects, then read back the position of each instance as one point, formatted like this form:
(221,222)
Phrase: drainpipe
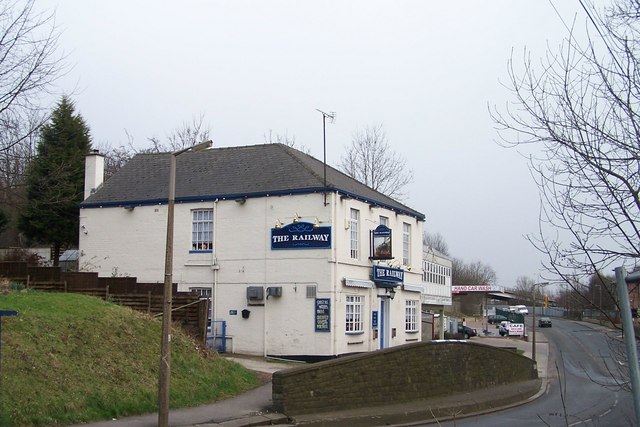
(334,272)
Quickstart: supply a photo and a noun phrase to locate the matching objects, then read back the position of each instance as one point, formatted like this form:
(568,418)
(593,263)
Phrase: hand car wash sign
(301,235)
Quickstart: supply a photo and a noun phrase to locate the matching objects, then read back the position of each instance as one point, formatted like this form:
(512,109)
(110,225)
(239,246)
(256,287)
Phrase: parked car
(467,332)
(544,322)
(503,329)
(495,319)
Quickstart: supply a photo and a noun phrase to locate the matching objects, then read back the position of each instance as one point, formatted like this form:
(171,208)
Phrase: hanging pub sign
(381,243)
(323,315)
(301,235)
(387,274)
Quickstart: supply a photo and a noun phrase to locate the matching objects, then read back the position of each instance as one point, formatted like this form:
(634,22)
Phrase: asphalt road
(584,383)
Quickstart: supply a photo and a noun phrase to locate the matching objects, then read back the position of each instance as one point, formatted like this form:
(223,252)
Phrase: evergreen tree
(4,220)
(55,180)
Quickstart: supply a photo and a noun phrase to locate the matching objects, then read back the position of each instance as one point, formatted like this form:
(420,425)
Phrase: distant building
(476,299)
(436,275)
(294,267)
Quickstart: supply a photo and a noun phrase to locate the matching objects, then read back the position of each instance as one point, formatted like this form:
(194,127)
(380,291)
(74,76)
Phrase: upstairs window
(202,230)
(435,273)
(406,243)
(354,225)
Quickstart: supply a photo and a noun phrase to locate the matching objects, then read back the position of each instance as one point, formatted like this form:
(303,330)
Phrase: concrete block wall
(395,375)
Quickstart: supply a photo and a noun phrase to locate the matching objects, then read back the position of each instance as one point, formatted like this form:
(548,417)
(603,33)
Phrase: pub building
(298,259)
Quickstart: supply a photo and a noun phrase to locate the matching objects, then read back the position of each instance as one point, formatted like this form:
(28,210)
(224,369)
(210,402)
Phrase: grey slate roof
(230,173)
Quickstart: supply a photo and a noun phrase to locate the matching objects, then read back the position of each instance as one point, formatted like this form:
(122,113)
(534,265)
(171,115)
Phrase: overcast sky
(426,70)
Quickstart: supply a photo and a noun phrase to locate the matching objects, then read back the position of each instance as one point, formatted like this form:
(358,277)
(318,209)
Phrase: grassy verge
(70,358)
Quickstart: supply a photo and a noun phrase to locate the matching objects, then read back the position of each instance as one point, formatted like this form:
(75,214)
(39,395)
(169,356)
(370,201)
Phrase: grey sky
(426,70)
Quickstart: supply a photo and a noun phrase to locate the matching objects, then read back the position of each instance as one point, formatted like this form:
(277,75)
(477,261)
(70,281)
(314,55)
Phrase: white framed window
(411,316)
(353,318)
(384,221)
(354,226)
(202,230)
(406,243)
(202,292)
(435,273)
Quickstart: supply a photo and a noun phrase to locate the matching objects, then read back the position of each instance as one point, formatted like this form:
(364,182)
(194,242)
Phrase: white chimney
(93,172)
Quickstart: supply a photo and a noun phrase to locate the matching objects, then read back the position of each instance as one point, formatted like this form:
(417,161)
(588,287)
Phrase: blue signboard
(387,274)
(374,319)
(301,235)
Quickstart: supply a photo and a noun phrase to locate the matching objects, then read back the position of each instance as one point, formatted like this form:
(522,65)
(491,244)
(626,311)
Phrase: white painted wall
(117,241)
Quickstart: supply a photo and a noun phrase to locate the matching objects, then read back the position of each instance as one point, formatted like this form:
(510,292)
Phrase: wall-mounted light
(391,292)
(129,207)
(296,218)
(84,229)
(278,224)
(241,200)
(316,223)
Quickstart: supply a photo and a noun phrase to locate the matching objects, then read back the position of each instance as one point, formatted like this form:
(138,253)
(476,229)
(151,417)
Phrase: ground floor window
(411,316)
(354,314)
(202,292)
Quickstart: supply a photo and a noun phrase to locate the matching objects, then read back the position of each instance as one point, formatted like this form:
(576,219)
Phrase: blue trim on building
(208,198)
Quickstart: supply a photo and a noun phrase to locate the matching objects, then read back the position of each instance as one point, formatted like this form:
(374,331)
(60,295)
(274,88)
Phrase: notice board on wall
(323,315)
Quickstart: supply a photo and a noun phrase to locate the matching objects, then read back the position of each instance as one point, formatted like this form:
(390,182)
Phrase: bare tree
(371,161)
(276,138)
(524,290)
(186,135)
(578,109)
(29,66)
(189,133)
(474,273)
(435,241)
(115,157)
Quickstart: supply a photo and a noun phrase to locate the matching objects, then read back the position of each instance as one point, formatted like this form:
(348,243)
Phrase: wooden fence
(188,309)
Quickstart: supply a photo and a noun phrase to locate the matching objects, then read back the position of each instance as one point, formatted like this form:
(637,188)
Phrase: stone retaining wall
(397,375)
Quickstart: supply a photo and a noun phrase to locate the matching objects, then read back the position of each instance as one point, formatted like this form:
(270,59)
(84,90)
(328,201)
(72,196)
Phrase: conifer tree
(55,180)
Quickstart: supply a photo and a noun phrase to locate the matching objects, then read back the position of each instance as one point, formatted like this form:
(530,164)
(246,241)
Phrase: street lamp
(165,346)
(622,290)
(533,326)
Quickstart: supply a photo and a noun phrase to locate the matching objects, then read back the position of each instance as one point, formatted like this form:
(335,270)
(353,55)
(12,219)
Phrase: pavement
(253,408)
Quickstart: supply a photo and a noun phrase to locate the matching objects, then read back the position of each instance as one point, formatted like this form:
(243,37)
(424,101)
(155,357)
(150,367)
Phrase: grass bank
(69,358)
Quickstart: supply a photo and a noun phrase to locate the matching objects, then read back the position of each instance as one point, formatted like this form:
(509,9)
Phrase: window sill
(355,333)
(208,251)
(411,332)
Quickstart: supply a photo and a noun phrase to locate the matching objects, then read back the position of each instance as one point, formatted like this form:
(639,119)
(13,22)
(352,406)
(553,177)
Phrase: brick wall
(396,375)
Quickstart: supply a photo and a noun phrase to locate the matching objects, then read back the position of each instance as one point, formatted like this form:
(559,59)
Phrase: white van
(522,309)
